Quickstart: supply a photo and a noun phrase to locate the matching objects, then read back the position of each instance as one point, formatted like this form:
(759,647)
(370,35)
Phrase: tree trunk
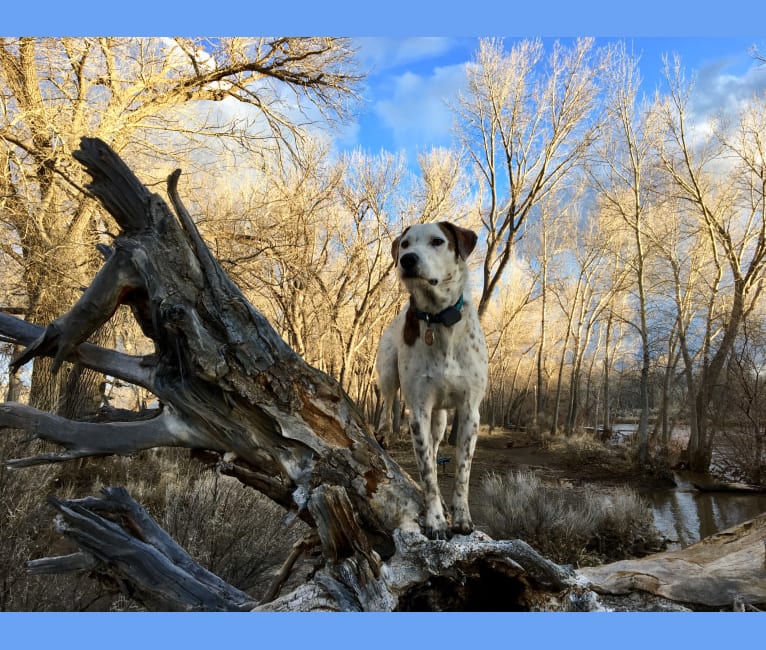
(562,360)
(700,447)
(574,395)
(642,433)
(13,394)
(667,423)
(643,420)
(607,378)
(540,357)
(232,390)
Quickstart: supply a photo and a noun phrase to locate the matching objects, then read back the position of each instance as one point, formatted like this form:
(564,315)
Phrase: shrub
(26,533)
(568,525)
(580,446)
(233,531)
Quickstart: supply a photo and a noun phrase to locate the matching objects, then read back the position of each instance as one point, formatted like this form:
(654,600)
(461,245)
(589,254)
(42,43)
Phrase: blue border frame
(556,18)
(389,18)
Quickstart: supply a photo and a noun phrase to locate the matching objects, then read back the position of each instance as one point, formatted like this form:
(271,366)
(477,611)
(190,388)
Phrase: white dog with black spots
(435,351)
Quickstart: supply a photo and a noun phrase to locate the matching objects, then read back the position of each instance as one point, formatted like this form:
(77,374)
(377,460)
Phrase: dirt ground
(506,450)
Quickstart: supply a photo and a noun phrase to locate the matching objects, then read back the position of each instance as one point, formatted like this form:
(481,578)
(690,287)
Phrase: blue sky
(411,79)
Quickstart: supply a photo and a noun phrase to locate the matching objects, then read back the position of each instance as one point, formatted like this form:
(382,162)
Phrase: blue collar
(447,317)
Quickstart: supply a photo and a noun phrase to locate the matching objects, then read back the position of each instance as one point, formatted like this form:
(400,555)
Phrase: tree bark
(13,393)
(232,390)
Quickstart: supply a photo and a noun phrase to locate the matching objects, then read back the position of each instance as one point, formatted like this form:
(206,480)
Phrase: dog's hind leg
(452,440)
(438,428)
(388,382)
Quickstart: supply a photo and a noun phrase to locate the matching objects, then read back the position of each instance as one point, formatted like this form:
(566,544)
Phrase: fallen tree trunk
(716,572)
(231,389)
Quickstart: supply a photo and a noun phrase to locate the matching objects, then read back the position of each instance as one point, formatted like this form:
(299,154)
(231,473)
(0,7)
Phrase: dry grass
(579,446)
(568,525)
(231,530)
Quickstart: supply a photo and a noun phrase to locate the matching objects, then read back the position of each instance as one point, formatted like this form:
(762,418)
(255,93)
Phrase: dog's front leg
(420,429)
(467,432)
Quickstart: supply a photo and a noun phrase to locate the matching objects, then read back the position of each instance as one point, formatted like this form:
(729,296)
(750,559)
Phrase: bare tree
(277,236)
(742,412)
(583,301)
(311,243)
(525,124)
(442,191)
(510,336)
(129,92)
(546,245)
(684,277)
(624,182)
(369,201)
(730,211)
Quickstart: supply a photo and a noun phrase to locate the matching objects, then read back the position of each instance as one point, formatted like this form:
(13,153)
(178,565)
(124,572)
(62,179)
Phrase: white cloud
(719,90)
(417,110)
(379,54)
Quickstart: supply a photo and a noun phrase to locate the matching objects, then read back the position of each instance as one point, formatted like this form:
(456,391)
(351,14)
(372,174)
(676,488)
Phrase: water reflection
(685,516)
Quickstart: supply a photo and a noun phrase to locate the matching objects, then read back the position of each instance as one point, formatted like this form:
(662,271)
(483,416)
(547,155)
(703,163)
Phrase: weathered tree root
(121,543)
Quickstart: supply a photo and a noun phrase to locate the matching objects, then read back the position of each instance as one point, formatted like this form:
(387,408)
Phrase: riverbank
(682,514)
(559,461)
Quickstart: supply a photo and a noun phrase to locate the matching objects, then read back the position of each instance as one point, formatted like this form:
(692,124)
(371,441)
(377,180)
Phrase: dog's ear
(395,245)
(464,240)
(395,248)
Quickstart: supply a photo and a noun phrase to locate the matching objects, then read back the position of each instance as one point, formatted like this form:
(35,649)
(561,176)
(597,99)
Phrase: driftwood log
(234,392)
(726,570)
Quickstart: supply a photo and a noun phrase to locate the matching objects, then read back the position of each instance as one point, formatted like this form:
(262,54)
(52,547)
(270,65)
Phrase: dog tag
(428,337)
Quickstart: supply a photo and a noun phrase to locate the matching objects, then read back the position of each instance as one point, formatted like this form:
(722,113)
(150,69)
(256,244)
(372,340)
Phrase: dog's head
(430,262)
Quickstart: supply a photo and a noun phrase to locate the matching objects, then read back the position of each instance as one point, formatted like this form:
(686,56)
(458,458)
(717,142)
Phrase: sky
(412,79)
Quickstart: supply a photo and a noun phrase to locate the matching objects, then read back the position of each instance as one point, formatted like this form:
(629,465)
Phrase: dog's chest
(445,371)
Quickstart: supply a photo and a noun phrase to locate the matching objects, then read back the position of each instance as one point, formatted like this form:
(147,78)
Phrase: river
(685,515)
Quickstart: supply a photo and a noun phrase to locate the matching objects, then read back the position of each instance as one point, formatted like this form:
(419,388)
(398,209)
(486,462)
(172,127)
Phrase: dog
(435,351)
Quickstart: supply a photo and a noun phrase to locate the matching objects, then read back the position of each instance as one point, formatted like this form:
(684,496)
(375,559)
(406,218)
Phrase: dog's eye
(404,244)
(437,241)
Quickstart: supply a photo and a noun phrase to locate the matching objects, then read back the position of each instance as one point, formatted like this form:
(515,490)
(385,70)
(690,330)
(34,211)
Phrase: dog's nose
(408,261)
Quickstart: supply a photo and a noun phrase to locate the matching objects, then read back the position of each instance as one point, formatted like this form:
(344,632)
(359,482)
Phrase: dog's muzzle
(409,263)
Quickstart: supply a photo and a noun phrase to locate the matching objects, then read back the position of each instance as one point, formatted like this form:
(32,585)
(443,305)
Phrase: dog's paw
(435,527)
(462,527)
(436,532)
(461,521)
